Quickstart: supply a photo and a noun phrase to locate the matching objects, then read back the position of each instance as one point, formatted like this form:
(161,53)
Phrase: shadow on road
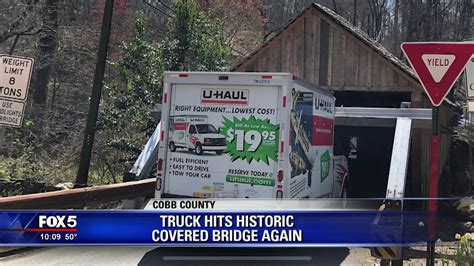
(245,256)
(421,254)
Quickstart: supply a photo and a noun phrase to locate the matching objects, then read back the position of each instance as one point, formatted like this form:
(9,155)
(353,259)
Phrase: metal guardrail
(80,197)
(148,157)
(386,113)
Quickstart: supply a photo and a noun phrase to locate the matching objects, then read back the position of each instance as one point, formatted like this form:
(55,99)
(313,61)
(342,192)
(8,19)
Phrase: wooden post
(83,172)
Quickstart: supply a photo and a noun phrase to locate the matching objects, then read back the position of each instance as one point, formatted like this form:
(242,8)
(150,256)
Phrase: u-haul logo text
(224,96)
(57,221)
(323,105)
(198,119)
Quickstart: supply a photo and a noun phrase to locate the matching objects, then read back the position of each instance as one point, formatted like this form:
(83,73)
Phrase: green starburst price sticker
(251,139)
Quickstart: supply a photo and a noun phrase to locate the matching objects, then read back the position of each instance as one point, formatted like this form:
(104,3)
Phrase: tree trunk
(354,13)
(411,15)
(47,44)
(427,27)
(396,27)
(465,19)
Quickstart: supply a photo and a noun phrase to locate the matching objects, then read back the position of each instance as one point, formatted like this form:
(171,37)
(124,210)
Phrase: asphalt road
(191,256)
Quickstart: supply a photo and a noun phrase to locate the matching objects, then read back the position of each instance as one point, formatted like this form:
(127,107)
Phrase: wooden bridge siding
(351,64)
(347,64)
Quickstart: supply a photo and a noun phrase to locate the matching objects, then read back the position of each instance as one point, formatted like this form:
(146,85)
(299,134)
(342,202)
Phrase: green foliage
(463,253)
(18,175)
(130,99)
(22,167)
(192,41)
(27,167)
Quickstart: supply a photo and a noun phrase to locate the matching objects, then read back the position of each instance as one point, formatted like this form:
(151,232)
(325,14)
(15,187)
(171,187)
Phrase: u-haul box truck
(247,135)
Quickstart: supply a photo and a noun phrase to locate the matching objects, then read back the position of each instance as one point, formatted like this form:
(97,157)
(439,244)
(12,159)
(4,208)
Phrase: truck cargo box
(247,135)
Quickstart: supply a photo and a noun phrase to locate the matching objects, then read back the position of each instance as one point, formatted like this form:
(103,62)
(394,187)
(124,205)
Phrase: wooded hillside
(63,35)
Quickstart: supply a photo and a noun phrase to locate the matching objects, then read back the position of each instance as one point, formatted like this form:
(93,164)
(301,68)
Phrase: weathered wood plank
(290,49)
(330,52)
(387,76)
(402,81)
(337,76)
(394,78)
(244,66)
(309,48)
(416,100)
(348,62)
(260,61)
(263,59)
(316,50)
(298,47)
(376,71)
(325,44)
(356,64)
(268,55)
(383,74)
(270,62)
(285,63)
(250,67)
(277,54)
(363,66)
(369,68)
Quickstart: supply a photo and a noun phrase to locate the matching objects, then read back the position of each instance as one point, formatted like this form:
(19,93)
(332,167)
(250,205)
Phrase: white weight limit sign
(15,75)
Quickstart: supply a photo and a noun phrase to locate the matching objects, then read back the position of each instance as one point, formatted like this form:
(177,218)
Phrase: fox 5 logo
(57,221)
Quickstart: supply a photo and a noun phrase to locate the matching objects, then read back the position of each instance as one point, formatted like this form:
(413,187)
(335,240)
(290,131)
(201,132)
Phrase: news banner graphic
(203,223)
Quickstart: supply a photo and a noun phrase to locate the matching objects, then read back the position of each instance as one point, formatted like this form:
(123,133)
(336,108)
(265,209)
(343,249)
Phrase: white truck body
(266,135)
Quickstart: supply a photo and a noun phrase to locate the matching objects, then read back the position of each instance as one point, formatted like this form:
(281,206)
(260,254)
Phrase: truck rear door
(235,152)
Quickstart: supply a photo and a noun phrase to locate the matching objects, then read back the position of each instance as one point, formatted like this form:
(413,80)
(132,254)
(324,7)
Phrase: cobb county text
(217,233)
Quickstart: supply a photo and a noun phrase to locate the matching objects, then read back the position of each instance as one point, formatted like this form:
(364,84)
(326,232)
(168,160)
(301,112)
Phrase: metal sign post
(433,185)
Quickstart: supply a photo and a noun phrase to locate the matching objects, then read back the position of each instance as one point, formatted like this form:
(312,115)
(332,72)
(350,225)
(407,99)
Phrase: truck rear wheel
(218,152)
(198,149)
(172,147)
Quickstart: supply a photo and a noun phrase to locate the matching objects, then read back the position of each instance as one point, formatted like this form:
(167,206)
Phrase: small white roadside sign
(470,106)
(11,113)
(15,75)
(470,78)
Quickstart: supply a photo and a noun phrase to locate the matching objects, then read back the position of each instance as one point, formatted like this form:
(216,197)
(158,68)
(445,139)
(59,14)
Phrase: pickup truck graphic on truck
(193,132)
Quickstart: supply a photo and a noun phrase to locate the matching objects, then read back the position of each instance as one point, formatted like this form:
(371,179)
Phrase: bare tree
(47,44)
(22,22)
